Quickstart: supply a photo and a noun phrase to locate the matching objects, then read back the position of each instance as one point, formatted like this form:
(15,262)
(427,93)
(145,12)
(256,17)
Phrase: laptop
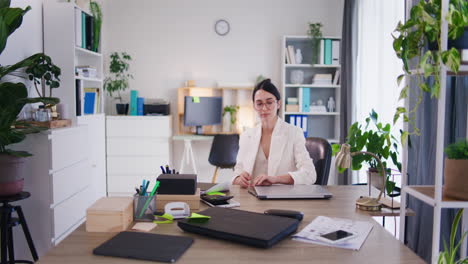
(298,191)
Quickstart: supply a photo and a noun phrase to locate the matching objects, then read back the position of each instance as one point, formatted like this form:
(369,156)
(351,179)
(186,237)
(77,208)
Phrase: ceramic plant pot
(455,179)
(122,109)
(12,174)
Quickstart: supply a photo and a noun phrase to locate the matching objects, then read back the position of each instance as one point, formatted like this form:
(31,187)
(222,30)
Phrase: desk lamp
(343,160)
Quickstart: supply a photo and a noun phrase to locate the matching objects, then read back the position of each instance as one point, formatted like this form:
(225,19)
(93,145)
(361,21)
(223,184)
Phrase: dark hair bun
(266,85)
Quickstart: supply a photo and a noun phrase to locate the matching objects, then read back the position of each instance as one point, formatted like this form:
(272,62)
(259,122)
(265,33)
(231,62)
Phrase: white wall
(173,41)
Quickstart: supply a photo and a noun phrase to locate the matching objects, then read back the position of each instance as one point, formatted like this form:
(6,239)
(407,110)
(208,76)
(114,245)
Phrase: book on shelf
(322,79)
(291,54)
(286,54)
(322,51)
(336,78)
(89,32)
(78,97)
(140,105)
(86,71)
(83,30)
(91,101)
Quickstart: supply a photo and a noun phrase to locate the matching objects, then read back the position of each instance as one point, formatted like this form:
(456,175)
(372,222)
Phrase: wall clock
(222,27)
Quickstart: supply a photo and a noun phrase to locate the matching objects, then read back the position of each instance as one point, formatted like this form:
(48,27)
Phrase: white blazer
(288,154)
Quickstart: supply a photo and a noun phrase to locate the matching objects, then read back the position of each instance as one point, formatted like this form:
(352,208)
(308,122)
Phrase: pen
(146,187)
(149,199)
(143,185)
(173,171)
(168,171)
(162,169)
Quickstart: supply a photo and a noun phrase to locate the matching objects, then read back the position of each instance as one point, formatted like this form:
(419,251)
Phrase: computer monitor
(202,111)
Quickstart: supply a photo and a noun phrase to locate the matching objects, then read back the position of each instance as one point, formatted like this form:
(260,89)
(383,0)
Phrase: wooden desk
(379,247)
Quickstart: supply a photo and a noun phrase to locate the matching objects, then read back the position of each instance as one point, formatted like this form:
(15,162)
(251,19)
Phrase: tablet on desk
(298,191)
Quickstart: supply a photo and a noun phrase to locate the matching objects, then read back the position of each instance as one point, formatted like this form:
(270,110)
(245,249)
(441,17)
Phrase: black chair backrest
(320,151)
(224,150)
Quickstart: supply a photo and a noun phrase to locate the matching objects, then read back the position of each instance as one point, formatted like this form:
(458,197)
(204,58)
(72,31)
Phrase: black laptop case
(254,229)
(145,246)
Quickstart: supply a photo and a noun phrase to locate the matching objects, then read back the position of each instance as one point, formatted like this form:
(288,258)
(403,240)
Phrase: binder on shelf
(335,52)
(322,51)
(89,101)
(305,99)
(304,124)
(83,30)
(78,97)
(133,102)
(78,27)
(299,98)
(328,52)
(336,78)
(140,103)
(89,32)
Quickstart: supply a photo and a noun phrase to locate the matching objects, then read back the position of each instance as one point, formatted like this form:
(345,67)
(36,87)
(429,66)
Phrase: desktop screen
(202,111)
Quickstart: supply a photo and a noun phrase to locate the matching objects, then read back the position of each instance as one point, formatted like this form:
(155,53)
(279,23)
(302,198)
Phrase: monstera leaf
(10,20)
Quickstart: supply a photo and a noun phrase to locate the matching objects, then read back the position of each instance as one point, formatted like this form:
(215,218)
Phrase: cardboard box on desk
(110,214)
(193,200)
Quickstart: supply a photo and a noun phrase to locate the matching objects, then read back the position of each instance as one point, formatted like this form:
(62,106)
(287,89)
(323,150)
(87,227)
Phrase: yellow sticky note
(216,193)
(199,216)
(196,99)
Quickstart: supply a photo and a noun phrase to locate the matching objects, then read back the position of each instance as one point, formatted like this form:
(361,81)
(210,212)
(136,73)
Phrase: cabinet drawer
(138,146)
(125,184)
(70,180)
(136,165)
(68,147)
(69,212)
(134,126)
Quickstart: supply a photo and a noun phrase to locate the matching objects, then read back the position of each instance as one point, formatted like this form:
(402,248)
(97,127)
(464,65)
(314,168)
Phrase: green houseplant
(376,139)
(456,166)
(232,110)
(423,28)
(449,254)
(315,34)
(13,97)
(119,78)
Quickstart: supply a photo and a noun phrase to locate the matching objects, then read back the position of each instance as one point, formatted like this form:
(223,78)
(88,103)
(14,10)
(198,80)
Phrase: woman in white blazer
(274,151)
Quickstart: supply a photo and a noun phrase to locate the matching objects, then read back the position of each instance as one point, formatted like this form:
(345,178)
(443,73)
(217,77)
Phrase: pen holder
(143,208)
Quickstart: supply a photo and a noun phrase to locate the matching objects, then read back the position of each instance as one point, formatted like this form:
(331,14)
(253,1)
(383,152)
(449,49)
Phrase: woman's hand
(243,179)
(264,180)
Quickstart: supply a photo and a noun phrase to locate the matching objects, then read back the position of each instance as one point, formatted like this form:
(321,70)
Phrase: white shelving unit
(319,124)
(59,44)
(432,195)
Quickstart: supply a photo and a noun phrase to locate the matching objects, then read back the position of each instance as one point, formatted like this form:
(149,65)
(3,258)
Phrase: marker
(168,171)
(162,169)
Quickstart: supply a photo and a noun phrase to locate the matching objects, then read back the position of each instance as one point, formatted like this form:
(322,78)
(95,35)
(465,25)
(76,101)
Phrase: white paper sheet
(322,225)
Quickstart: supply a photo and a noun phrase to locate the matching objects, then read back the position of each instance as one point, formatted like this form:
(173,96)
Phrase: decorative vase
(298,56)
(297,77)
(12,173)
(455,183)
(227,122)
(122,109)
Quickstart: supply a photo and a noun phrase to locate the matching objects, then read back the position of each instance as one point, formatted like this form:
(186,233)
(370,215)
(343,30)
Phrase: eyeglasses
(268,104)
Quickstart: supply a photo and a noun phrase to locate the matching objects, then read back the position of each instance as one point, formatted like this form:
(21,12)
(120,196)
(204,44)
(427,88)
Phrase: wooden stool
(7,222)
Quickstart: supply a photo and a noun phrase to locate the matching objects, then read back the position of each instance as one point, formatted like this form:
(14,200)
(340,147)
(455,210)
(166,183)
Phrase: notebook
(253,229)
(145,246)
(297,191)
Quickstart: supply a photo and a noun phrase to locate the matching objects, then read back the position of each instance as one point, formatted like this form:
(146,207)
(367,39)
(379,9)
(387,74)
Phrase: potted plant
(118,79)
(377,140)
(13,97)
(450,252)
(456,167)
(232,111)
(422,28)
(315,34)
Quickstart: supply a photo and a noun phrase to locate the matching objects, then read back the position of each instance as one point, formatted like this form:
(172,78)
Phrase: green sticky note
(196,99)
(199,216)
(216,193)
(168,219)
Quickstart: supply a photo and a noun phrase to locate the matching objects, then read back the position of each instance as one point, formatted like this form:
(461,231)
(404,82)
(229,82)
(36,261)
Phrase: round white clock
(222,27)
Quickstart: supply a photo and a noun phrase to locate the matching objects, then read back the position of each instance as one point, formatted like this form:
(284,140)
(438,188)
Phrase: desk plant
(450,252)
(456,167)
(13,97)
(232,110)
(119,77)
(422,28)
(376,139)
(315,34)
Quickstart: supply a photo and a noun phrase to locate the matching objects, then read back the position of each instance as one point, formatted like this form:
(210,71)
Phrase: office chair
(223,153)
(320,151)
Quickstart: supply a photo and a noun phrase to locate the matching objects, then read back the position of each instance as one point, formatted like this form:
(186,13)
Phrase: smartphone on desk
(219,201)
(337,236)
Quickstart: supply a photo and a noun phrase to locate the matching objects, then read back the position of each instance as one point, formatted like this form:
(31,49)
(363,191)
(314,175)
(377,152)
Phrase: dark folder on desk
(244,227)
(145,246)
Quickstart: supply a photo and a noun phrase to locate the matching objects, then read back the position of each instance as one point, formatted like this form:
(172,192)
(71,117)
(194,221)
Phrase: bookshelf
(315,83)
(69,51)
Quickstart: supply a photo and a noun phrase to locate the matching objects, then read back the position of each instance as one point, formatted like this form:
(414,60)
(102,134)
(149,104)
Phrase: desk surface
(379,247)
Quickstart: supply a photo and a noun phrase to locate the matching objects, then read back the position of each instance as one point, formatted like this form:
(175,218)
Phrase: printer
(156,107)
